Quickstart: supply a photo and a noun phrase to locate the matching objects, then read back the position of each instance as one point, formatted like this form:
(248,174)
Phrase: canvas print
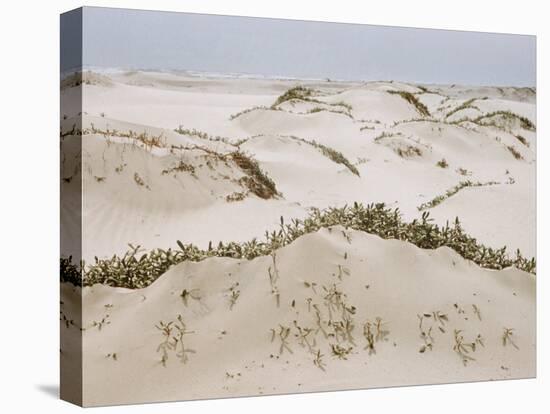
(261,206)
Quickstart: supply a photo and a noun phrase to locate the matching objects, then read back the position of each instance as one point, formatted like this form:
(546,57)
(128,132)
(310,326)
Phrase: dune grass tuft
(257,181)
(413,100)
(331,153)
(452,191)
(298,92)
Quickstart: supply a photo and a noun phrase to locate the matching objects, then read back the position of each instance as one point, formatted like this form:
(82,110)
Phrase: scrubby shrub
(135,270)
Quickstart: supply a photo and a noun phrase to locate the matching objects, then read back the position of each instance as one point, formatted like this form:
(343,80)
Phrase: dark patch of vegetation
(517,155)
(70,272)
(408,151)
(181,167)
(442,163)
(255,180)
(413,100)
(522,140)
(298,92)
(236,196)
(135,270)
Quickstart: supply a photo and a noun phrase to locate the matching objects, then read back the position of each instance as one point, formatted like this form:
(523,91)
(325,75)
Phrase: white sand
(128,199)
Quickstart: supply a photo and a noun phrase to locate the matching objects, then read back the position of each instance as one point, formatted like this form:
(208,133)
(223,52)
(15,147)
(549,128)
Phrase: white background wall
(29,204)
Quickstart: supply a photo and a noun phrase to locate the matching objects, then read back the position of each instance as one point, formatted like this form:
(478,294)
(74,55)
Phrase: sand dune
(170,157)
(247,362)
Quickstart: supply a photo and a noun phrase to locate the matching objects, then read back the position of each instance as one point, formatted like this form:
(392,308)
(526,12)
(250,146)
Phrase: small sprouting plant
(462,348)
(273,278)
(234,294)
(442,163)
(507,337)
(172,340)
(369,336)
(340,351)
(104,321)
(304,337)
(139,181)
(283,334)
(477,312)
(318,360)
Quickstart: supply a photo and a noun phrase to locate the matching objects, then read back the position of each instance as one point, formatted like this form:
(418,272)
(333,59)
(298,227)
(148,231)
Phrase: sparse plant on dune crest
(298,92)
(254,108)
(330,153)
(466,105)
(413,100)
(490,119)
(452,191)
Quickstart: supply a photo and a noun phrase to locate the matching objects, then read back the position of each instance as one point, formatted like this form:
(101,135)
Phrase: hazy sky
(118,38)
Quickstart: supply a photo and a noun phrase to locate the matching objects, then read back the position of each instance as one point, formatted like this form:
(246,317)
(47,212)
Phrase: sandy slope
(234,354)
(147,184)
(159,103)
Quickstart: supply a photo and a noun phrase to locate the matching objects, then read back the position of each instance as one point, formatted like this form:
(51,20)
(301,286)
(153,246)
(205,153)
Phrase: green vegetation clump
(413,100)
(135,270)
(257,181)
(299,92)
(331,153)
